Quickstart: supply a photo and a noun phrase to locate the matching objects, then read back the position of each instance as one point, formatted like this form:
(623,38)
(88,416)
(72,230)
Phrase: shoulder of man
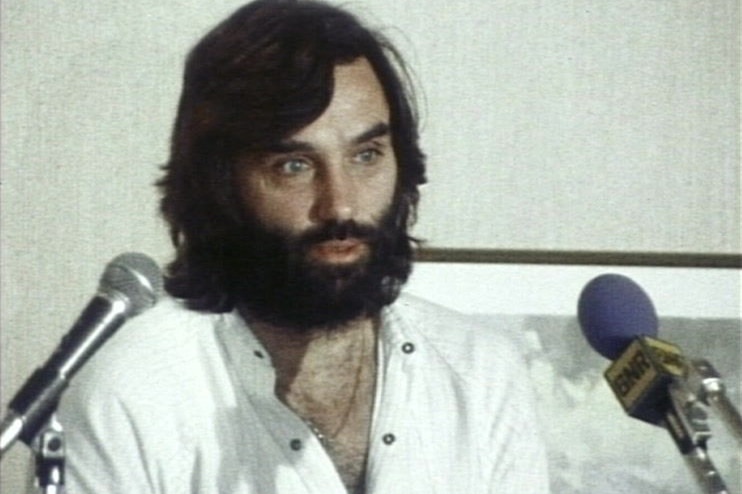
(160,344)
(462,340)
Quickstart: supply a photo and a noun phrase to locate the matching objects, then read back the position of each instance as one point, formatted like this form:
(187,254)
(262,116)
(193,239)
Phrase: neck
(319,367)
(328,377)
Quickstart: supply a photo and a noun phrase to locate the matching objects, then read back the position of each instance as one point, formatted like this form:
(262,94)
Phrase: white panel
(548,125)
(581,125)
(521,289)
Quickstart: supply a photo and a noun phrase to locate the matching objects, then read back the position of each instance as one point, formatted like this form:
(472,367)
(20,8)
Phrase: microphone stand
(49,449)
(706,383)
(686,420)
(48,445)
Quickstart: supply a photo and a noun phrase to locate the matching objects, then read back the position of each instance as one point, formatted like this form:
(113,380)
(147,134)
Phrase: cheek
(380,193)
(250,195)
(271,207)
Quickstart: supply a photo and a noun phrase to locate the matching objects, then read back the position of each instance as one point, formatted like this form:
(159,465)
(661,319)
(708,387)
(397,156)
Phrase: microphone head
(612,311)
(136,277)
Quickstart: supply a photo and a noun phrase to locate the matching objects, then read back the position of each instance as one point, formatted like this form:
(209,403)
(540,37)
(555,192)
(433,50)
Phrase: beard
(279,282)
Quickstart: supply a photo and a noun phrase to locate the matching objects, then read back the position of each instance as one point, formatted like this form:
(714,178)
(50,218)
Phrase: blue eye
(367,156)
(293,166)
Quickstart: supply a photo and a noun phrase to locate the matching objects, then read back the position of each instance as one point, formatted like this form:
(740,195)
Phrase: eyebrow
(380,129)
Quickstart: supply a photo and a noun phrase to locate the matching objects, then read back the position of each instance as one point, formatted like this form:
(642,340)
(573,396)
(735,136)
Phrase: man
(286,360)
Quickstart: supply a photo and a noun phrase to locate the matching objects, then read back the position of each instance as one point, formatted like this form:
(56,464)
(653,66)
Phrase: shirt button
(408,347)
(388,438)
(295,444)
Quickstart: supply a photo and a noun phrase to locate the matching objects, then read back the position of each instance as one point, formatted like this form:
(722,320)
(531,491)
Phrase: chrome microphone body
(130,284)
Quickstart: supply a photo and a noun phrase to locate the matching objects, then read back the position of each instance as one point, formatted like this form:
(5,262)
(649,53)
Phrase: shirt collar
(247,357)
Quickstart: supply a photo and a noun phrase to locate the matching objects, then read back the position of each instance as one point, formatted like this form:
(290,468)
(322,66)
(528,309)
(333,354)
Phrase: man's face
(322,244)
(339,168)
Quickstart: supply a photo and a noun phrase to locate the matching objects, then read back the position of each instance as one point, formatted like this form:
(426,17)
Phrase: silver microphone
(131,283)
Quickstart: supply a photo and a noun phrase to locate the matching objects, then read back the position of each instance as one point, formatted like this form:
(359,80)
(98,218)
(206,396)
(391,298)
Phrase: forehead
(358,103)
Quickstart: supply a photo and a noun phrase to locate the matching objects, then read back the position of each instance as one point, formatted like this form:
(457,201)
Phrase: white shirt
(183,402)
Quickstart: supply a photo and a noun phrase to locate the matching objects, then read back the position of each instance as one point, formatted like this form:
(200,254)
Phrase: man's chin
(325,277)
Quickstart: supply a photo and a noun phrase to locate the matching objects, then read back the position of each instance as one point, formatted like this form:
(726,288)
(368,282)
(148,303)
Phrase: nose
(335,196)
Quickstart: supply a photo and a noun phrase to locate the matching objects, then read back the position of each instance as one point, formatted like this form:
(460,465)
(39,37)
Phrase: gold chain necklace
(323,438)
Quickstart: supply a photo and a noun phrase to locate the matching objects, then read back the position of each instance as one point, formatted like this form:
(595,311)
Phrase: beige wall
(569,125)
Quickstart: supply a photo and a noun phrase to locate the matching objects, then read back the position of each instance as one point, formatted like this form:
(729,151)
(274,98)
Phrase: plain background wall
(567,125)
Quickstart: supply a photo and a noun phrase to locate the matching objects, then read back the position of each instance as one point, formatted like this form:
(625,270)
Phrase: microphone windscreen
(135,276)
(612,311)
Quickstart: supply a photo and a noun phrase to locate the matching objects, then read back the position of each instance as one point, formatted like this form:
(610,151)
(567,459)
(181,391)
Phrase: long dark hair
(263,74)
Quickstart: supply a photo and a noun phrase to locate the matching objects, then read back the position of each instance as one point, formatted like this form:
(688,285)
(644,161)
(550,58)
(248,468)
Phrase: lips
(340,251)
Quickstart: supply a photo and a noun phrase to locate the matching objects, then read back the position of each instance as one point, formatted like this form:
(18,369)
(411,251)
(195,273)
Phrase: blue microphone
(651,378)
(619,321)
(613,310)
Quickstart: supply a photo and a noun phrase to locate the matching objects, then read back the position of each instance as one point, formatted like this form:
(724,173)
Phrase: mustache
(338,230)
